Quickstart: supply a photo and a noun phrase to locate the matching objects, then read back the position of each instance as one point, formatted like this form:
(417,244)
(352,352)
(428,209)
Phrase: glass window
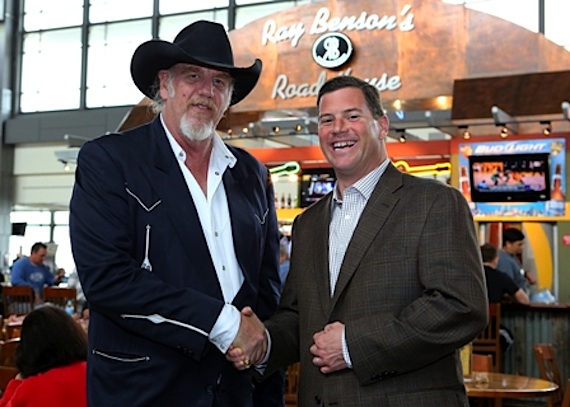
(556,17)
(42,14)
(177,6)
(111,47)
(170,26)
(48,58)
(31,217)
(245,15)
(61,217)
(113,10)
(63,255)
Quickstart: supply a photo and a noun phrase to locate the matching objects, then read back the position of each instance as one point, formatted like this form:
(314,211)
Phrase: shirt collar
(366,184)
(221,154)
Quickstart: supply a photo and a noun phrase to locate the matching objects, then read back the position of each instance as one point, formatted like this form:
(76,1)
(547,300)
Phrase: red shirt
(62,386)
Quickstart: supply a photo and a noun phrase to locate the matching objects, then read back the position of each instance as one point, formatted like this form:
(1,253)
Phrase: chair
(7,373)
(18,300)
(489,341)
(482,363)
(59,296)
(544,355)
(291,382)
(7,351)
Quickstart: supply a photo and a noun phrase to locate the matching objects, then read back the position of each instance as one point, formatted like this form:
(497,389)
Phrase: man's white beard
(195,132)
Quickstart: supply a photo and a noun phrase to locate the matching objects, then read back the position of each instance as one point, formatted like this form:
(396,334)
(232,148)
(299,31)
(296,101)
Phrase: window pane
(245,15)
(113,10)
(58,53)
(63,256)
(61,217)
(556,18)
(177,6)
(31,217)
(170,26)
(42,14)
(111,47)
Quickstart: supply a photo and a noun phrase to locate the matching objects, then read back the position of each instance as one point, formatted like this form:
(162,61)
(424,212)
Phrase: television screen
(510,178)
(315,184)
(19,229)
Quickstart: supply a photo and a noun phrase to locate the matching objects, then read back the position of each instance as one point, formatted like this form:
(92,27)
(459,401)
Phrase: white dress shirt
(214,216)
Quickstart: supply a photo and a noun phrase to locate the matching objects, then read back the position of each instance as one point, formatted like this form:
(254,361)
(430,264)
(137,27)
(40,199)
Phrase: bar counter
(537,323)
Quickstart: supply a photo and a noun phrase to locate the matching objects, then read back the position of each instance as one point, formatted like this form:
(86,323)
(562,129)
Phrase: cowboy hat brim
(155,55)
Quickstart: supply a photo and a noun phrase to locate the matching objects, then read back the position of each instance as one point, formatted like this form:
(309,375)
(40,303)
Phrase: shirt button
(216,234)
(217,173)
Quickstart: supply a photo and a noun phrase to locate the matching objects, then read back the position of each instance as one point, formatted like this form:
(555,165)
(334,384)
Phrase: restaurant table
(500,385)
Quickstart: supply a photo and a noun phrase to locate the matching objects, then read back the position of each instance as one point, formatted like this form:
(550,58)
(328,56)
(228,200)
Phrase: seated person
(73,282)
(32,271)
(500,286)
(51,359)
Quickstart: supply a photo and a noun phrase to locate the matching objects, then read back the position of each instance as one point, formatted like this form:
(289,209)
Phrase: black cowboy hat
(202,43)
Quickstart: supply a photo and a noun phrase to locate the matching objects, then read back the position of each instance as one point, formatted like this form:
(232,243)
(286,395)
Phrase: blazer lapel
(377,210)
(320,250)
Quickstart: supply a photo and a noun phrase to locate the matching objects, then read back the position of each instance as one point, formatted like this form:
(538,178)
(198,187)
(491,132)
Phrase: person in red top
(51,359)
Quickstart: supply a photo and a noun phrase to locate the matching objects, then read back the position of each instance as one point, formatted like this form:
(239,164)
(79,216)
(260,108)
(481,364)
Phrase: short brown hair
(489,252)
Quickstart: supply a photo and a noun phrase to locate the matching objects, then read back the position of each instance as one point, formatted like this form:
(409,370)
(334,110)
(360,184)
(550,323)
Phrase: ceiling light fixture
(465,133)
(547,127)
(566,110)
(402,135)
(504,132)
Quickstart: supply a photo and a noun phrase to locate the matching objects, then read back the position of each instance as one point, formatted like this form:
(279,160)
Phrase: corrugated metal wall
(537,324)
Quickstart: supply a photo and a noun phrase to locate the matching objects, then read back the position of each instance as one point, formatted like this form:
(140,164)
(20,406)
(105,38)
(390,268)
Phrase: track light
(298,128)
(276,129)
(402,135)
(547,129)
(464,130)
(504,132)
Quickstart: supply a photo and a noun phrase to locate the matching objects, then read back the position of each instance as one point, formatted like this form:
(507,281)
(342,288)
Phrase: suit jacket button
(317,400)
(210,389)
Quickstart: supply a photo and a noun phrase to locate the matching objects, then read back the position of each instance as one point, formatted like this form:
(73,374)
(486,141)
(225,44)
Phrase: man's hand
(250,344)
(327,348)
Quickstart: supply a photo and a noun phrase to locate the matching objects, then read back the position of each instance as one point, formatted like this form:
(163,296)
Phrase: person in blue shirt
(32,271)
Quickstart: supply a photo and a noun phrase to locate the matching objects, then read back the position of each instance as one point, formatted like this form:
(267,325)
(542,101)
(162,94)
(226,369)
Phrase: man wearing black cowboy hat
(173,234)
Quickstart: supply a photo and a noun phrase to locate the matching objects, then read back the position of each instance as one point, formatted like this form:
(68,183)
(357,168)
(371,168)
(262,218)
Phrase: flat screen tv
(510,177)
(315,184)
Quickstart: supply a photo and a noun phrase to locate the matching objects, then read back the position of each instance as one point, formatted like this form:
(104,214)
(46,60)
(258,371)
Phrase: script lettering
(274,34)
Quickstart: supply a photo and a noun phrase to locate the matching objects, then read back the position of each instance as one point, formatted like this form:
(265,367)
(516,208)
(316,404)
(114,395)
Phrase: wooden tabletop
(500,385)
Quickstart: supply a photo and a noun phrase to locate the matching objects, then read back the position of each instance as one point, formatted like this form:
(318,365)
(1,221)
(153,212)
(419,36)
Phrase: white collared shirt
(214,215)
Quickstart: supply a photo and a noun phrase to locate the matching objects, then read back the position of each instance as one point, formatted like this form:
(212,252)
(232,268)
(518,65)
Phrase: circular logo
(332,50)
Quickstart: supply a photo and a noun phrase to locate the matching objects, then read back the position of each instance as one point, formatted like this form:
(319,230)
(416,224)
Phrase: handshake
(250,345)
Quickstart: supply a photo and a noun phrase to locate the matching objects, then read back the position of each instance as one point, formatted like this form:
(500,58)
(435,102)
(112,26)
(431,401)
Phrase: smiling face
(195,99)
(351,139)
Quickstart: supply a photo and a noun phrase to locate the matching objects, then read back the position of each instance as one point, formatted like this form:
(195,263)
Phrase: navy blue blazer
(148,342)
